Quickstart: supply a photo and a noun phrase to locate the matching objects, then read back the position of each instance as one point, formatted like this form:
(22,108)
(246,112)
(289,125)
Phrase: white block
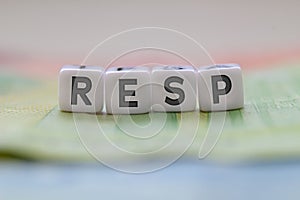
(127,90)
(81,89)
(220,87)
(174,88)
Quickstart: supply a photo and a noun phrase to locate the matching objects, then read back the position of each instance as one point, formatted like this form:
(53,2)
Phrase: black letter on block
(216,91)
(180,92)
(80,91)
(123,93)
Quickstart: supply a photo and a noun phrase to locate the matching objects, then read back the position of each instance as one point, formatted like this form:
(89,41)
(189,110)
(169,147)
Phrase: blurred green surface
(268,128)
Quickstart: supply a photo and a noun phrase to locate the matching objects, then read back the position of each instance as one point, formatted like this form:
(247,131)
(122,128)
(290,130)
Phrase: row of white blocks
(133,90)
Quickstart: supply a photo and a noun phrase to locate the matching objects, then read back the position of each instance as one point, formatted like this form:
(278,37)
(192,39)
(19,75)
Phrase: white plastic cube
(127,90)
(220,87)
(174,88)
(81,89)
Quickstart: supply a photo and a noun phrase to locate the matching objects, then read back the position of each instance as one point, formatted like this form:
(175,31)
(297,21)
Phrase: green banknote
(267,128)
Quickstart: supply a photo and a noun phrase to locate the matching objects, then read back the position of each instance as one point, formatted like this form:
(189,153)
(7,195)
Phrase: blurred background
(38,37)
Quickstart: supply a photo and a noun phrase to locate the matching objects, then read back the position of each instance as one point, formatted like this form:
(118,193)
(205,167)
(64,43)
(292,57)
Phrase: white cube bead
(174,88)
(127,90)
(81,89)
(220,87)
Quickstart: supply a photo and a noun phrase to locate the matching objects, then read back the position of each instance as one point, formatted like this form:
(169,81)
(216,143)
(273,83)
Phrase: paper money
(268,128)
